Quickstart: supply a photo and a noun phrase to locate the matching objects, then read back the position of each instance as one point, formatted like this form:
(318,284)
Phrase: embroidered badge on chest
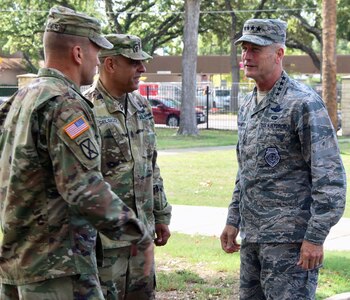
(272,157)
(89,149)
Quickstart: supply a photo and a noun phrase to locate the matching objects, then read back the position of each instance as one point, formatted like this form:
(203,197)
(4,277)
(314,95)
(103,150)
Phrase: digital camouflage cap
(127,45)
(263,32)
(67,21)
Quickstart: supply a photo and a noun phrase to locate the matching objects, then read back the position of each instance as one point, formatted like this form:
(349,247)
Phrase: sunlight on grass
(207,178)
(204,179)
(168,139)
(335,276)
(188,260)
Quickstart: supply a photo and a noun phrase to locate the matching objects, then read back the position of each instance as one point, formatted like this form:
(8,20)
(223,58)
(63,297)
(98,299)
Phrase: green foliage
(343,24)
(160,23)
(23,23)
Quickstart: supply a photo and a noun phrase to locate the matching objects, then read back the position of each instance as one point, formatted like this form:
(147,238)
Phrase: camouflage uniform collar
(50,72)
(280,87)
(274,96)
(113,104)
(278,90)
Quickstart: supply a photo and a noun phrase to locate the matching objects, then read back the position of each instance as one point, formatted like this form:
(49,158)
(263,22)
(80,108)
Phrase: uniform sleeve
(162,209)
(320,151)
(233,215)
(73,146)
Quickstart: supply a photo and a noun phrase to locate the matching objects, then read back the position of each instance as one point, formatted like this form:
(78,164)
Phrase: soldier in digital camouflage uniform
(290,187)
(129,155)
(53,196)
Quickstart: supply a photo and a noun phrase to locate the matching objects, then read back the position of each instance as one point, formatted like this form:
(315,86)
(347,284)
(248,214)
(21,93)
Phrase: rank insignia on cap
(76,127)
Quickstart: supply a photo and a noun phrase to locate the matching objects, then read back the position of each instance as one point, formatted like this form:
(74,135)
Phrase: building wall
(216,64)
(9,77)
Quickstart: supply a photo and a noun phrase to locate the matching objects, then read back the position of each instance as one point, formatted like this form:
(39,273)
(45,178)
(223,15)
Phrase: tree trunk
(188,121)
(329,66)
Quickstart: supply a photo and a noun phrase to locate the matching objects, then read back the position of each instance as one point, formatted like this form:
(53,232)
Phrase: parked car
(222,98)
(3,99)
(218,98)
(166,111)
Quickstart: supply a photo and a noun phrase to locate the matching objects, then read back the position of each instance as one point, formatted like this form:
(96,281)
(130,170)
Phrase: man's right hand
(228,239)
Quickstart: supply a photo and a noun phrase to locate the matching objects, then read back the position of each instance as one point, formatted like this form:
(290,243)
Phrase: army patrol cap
(263,32)
(127,45)
(67,21)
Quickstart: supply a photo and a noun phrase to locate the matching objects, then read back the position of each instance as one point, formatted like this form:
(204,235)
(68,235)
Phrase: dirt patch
(214,286)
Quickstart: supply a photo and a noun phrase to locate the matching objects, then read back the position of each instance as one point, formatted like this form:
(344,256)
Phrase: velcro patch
(272,157)
(89,149)
(76,127)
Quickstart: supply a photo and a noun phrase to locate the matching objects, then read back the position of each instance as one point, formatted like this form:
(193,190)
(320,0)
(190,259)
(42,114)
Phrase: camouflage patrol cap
(263,32)
(126,45)
(67,21)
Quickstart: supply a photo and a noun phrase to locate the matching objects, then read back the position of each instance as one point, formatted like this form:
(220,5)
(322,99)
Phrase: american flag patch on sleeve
(76,127)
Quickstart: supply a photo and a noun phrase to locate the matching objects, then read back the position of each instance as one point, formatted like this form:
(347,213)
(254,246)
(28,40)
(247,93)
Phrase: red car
(166,111)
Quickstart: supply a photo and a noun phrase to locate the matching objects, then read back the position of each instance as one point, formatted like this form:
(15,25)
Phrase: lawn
(206,178)
(195,267)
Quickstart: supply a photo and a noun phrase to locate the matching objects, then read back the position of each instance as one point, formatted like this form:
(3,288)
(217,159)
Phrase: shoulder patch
(89,149)
(76,127)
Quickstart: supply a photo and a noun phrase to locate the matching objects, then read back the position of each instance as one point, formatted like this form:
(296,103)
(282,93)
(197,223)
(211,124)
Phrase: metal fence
(220,105)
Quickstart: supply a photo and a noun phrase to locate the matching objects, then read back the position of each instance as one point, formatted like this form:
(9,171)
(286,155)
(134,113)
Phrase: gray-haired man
(290,187)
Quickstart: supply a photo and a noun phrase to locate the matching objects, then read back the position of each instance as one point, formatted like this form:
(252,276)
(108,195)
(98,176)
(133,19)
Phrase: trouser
(270,271)
(76,287)
(122,276)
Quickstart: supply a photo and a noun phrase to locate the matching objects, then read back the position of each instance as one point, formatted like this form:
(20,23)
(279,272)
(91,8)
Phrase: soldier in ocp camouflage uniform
(52,193)
(290,187)
(129,165)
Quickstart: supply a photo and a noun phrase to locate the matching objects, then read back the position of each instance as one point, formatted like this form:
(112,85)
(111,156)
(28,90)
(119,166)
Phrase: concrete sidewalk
(211,221)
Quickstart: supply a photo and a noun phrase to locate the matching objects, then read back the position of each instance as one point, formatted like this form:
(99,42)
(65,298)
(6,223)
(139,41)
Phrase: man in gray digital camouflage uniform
(129,165)
(52,194)
(290,187)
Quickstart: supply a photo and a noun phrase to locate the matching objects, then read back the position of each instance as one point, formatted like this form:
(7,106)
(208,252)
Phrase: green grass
(199,178)
(196,266)
(207,178)
(197,263)
(335,276)
(167,139)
